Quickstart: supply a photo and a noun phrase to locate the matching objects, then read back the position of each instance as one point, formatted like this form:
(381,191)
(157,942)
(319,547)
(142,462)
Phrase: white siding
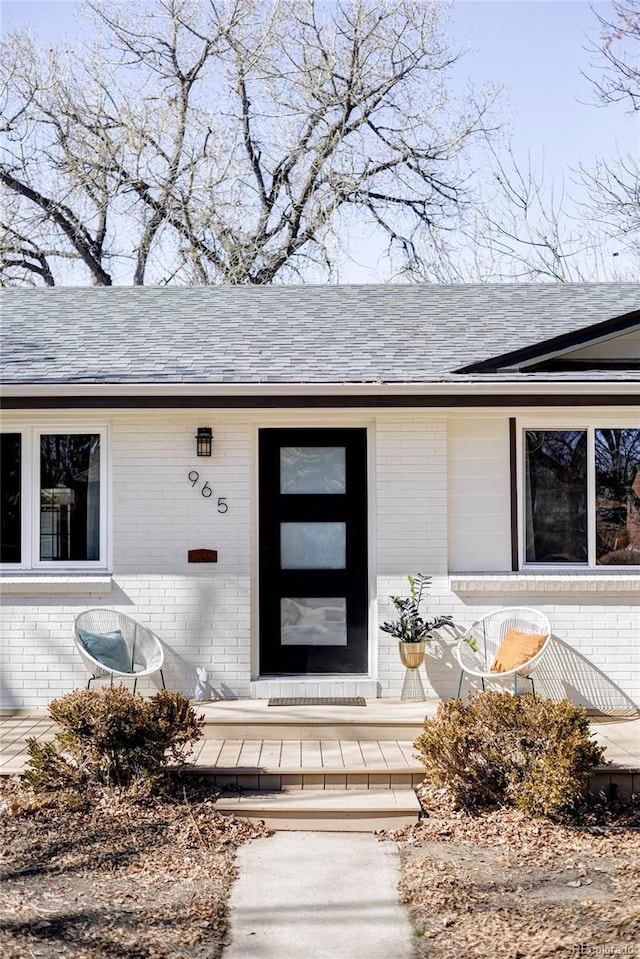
(479,494)
(625,347)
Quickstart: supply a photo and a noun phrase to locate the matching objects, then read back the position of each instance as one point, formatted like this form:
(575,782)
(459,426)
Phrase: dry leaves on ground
(502,885)
(118,881)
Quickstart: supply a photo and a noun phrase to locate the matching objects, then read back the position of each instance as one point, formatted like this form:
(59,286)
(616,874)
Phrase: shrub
(112,737)
(533,753)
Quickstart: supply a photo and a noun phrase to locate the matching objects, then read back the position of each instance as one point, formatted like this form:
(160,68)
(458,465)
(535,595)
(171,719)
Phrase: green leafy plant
(411,627)
(112,737)
(533,753)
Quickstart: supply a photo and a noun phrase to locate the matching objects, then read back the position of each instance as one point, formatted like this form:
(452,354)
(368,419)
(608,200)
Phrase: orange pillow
(515,649)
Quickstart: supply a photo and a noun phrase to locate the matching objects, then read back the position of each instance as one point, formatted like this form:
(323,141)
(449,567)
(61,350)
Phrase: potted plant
(412,631)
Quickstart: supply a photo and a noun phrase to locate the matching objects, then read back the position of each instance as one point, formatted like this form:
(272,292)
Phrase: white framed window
(579,490)
(53,493)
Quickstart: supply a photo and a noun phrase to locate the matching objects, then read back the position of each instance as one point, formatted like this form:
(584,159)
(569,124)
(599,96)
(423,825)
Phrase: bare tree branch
(614,185)
(616,55)
(219,141)
(88,248)
(20,259)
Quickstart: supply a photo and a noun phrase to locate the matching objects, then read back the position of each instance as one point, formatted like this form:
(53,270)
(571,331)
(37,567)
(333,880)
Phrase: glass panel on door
(313,545)
(312,469)
(313,621)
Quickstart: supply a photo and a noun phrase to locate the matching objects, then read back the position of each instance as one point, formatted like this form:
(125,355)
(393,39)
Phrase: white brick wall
(411,522)
(158,515)
(203,613)
(595,657)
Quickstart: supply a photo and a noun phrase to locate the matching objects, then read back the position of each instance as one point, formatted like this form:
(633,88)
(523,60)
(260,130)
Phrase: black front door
(313,551)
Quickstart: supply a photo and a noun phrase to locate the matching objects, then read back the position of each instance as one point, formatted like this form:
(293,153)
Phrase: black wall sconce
(204,441)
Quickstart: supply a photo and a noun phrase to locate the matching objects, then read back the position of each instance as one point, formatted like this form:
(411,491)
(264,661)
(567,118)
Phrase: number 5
(222,504)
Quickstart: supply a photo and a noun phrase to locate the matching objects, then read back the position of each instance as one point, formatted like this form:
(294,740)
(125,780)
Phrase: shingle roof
(287,334)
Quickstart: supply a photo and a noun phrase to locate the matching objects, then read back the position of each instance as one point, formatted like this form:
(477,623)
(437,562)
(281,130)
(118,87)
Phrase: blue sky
(536,49)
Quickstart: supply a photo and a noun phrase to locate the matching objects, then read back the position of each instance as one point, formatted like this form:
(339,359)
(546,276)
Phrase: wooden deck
(324,767)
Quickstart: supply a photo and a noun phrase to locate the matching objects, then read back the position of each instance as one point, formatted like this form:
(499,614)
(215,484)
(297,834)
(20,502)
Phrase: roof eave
(470,386)
(555,347)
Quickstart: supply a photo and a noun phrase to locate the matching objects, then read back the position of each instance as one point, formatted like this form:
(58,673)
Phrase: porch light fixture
(204,441)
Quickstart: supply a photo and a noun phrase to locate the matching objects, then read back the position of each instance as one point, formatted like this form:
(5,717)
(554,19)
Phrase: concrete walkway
(303,895)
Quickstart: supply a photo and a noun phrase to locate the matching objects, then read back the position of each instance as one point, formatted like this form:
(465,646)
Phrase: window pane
(313,545)
(70,497)
(10,482)
(313,621)
(312,469)
(617,497)
(556,496)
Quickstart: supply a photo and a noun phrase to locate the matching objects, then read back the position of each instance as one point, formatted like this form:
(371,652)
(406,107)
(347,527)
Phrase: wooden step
(325,810)
(310,731)
(308,764)
(255,719)
(299,779)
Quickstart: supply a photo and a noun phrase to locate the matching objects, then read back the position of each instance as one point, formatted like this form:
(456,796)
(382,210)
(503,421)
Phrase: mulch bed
(503,885)
(151,880)
(118,880)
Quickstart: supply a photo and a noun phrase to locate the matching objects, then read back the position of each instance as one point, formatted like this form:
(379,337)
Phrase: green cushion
(109,649)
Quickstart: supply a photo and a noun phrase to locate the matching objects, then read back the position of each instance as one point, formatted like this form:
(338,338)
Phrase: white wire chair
(488,633)
(144,649)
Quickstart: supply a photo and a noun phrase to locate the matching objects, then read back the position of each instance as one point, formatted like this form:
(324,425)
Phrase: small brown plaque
(203,555)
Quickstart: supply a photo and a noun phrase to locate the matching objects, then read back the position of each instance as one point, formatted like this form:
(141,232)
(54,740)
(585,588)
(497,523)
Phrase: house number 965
(206,491)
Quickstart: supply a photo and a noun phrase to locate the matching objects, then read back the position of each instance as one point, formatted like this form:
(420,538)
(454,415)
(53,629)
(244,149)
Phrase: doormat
(319,701)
